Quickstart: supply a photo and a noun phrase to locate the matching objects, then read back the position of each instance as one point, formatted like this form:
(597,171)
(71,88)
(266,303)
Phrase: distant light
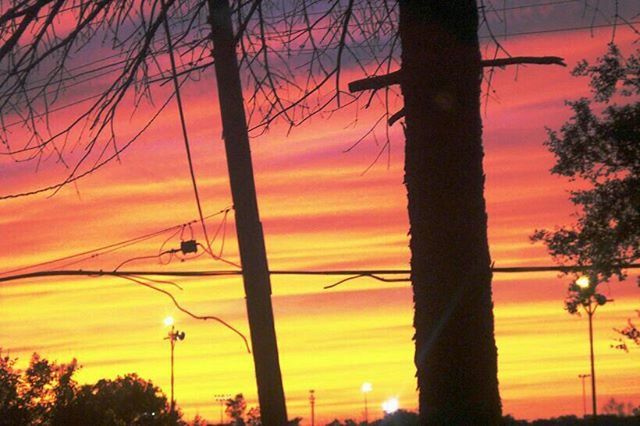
(366,387)
(583,282)
(391,405)
(168,321)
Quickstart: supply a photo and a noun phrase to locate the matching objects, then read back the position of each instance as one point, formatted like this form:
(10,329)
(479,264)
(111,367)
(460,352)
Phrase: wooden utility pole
(255,270)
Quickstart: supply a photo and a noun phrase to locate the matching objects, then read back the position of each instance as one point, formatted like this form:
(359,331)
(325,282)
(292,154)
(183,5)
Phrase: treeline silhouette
(46,393)
(408,418)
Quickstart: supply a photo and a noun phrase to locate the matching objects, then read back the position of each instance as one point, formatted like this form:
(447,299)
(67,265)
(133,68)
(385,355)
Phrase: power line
(310,50)
(71,76)
(341,272)
(303,50)
(286,15)
(141,281)
(113,246)
(154,78)
(185,136)
(560,30)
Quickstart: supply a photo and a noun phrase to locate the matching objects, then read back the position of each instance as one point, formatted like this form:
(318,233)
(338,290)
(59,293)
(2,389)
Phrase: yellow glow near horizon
(391,405)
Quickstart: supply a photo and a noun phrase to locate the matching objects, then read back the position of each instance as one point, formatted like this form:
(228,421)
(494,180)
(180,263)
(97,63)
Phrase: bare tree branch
(385,80)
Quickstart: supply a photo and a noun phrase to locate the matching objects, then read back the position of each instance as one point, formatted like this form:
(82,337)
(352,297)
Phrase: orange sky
(319,211)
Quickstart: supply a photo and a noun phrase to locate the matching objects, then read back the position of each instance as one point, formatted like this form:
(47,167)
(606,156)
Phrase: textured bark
(456,356)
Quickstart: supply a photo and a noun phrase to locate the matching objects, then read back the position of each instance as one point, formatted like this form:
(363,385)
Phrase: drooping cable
(93,253)
(185,136)
(155,256)
(140,281)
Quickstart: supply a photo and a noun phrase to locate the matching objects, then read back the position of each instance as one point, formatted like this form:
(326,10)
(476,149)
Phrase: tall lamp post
(172,337)
(366,388)
(312,402)
(584,398)
(222,398)
(582,293)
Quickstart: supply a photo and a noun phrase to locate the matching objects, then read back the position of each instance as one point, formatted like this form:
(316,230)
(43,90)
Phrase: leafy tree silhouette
(37,395)
(601,149)
(46,393)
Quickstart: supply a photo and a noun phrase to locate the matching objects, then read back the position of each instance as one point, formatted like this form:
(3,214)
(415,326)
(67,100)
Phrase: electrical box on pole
(255,270)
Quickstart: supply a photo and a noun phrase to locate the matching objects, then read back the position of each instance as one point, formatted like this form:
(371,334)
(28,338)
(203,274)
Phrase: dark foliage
(599,146)
(601,149)
(37,395)
(45,393)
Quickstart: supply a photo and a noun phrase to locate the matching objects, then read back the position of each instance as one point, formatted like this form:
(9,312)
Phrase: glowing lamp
(391,405)
(583,282)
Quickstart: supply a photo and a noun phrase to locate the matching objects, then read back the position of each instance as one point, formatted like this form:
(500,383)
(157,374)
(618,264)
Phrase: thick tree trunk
(456,356)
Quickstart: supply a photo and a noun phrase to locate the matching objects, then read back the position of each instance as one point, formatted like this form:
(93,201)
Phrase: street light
(222,398)
(583,282)
(584,398)
(173,336)
(366,388)
(582,293)
(391,405)
(312,402)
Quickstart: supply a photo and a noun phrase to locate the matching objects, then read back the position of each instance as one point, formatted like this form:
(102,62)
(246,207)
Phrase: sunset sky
(322,209)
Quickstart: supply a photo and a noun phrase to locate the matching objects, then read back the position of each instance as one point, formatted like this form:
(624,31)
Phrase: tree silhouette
(235,408)
(37,395)
(126,400)
(630,333)
(293,54)
(455,355)
(601,149)
(46,393)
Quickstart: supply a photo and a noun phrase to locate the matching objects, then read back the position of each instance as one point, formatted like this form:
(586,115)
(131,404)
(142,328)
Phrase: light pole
(366,388)
(584,398)
(221,398)
(583,293)
(172,337)
(312,402)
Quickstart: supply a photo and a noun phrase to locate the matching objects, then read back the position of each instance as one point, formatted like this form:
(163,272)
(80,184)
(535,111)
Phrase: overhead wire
(111,247)
(182,309)
(185,137)
(154,256)
(361,9)
(359,273)
(207,64)
(155,78)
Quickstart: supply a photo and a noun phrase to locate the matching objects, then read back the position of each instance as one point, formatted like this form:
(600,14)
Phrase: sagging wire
(157,281)
(154,256)
(110,248)
(140,281)
(185,137)
(222,226)
(366,275)
(165,242)
(93,252)
(375,274)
